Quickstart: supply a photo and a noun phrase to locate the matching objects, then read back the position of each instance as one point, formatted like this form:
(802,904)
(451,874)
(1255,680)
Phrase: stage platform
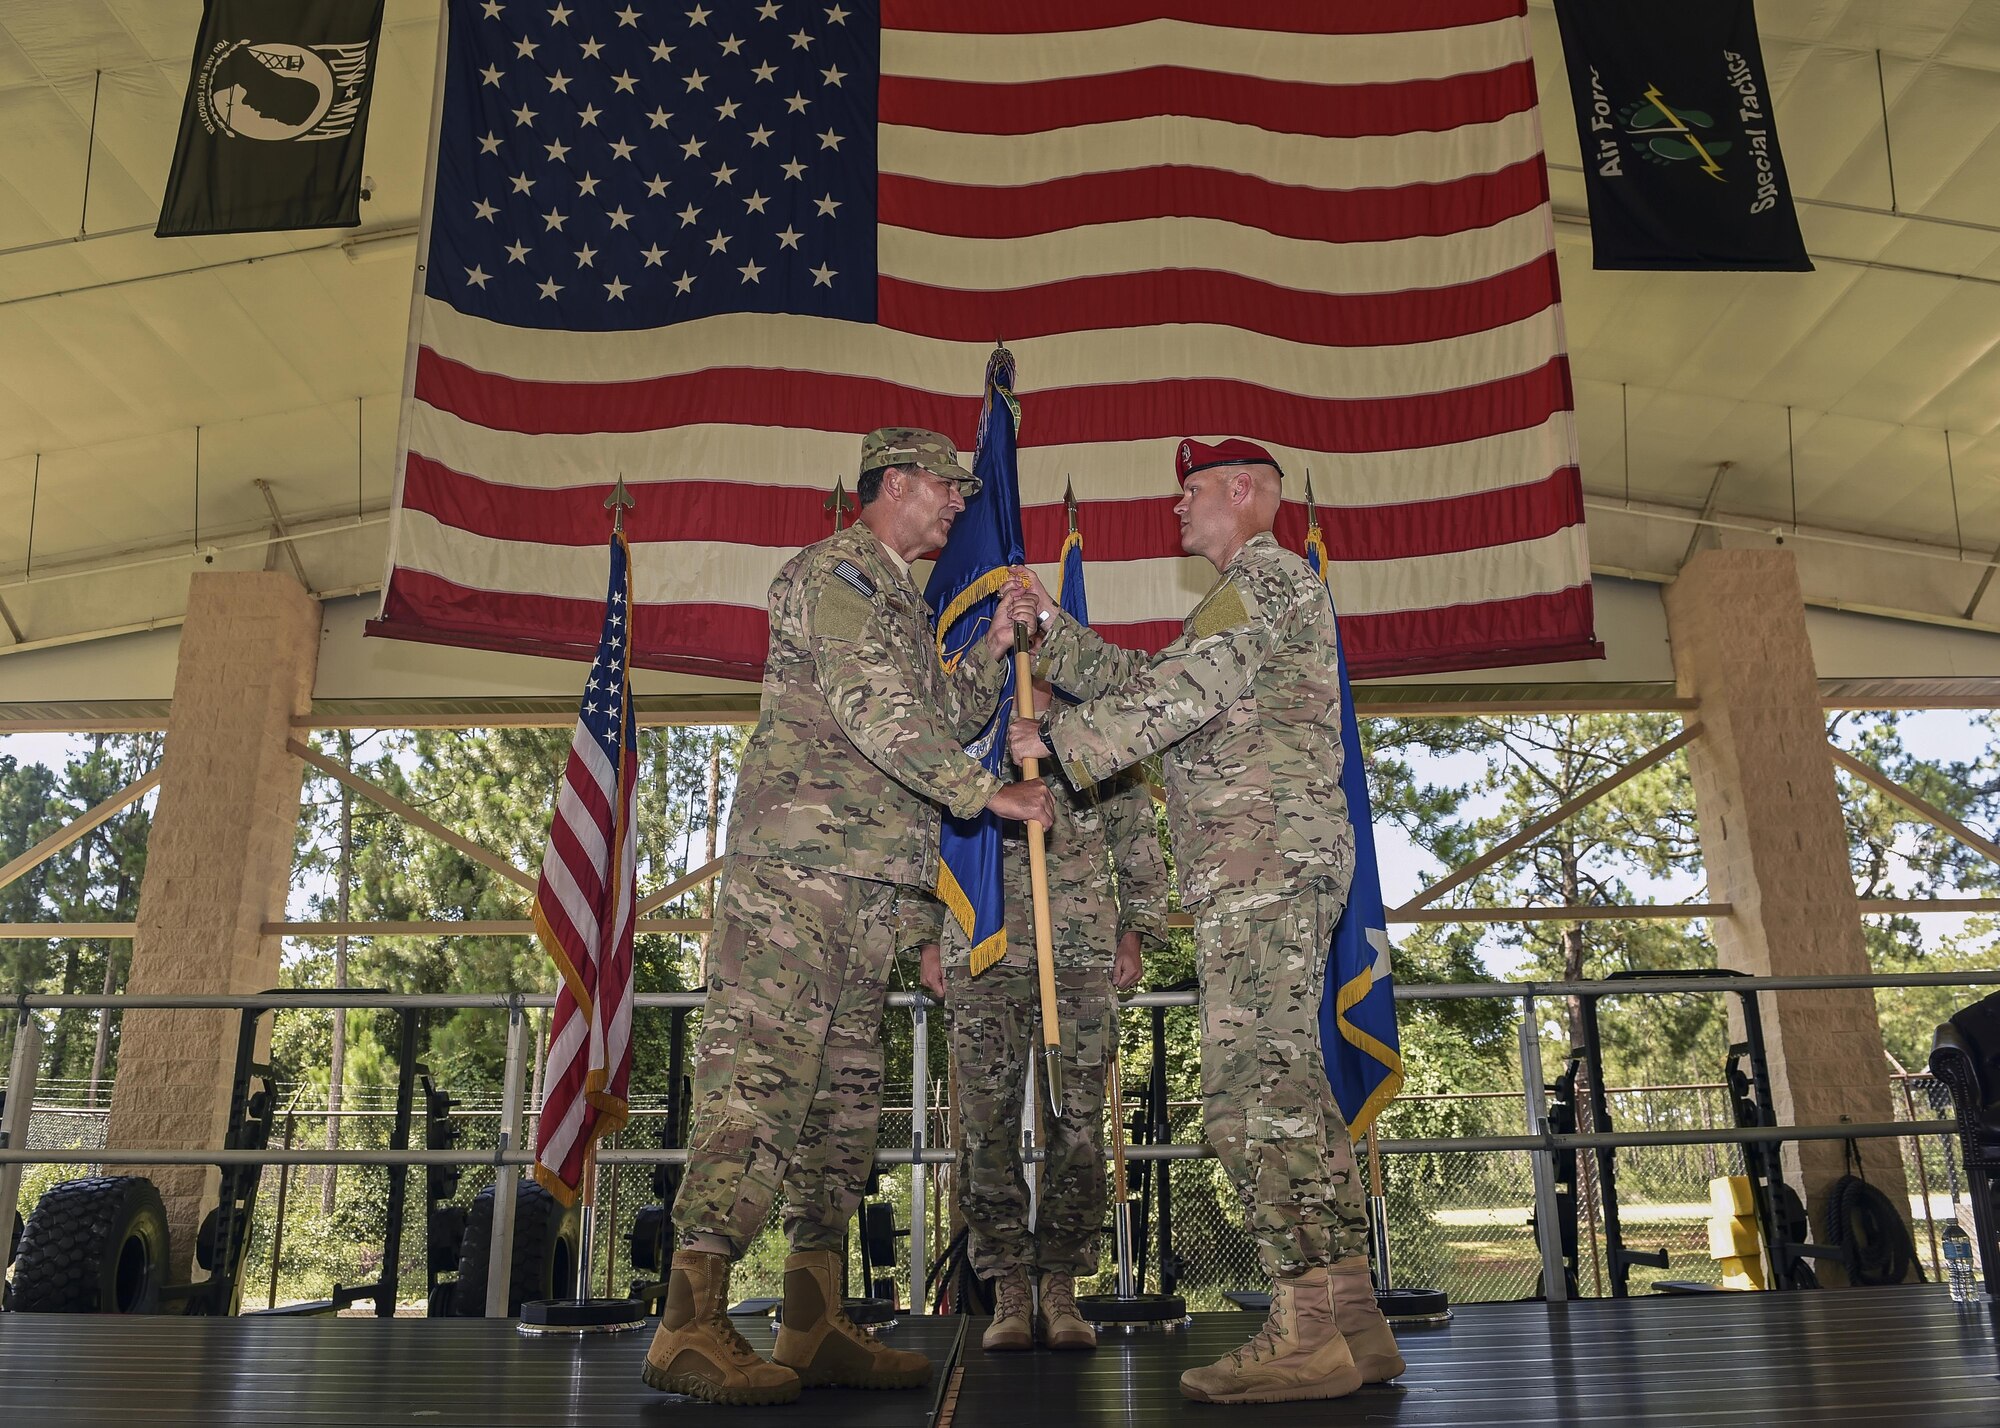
(1892,1356)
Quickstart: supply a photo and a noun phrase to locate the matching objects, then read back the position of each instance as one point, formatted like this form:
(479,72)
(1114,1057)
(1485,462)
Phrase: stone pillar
(1775,847)
(218,866)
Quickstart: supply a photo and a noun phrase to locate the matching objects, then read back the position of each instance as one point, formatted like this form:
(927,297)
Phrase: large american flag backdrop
(706,247)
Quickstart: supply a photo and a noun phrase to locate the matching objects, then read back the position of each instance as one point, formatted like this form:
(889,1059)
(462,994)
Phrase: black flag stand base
(1408,1306)
(583,1314)
(1130,1309)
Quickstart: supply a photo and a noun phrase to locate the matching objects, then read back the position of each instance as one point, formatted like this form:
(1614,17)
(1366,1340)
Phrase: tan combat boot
(697,1351)
(1359,1318)
(1297,1354)
(1013,1326)
(1062,1326)
(828,1349)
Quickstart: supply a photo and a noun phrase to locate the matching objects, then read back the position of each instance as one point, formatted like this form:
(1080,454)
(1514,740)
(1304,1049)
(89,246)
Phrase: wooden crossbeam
(1873,906)
(672,890)
(382,797)
(1573,912)
(77,827)
(1920,806)
(112,931)
(514,927)
(1549,820)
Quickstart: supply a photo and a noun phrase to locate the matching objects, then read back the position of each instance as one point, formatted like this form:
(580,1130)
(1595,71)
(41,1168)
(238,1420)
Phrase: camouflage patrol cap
(913,446)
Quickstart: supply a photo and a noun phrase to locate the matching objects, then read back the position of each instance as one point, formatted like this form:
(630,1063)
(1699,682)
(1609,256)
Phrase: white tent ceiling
(286,351)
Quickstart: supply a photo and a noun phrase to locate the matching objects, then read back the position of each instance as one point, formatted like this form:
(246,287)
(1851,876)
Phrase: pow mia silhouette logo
(272,91)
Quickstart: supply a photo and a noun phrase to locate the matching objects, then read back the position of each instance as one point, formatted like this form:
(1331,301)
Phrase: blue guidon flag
(964,584)
(1357,1020)
(1069,584)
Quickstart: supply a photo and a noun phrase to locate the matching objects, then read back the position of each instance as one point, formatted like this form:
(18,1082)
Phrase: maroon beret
(1192,456)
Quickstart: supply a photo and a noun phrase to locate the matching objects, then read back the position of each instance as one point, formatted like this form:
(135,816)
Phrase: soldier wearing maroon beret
(1244,709)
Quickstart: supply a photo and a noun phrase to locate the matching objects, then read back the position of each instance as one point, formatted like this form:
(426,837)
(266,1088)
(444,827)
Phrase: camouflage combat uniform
(996,1028)
(1246,707)
(857,745)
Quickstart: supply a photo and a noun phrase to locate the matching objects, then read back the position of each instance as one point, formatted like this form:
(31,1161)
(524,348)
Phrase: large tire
(93,1246)
(545,1248)
(1866,1223)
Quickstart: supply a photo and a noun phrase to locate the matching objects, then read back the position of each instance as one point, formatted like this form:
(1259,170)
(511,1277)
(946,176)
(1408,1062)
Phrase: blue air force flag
(1357,1018)
(963,588)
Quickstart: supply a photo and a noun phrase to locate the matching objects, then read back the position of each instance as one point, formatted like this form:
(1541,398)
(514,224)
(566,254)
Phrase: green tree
(95,879)
(1641,832)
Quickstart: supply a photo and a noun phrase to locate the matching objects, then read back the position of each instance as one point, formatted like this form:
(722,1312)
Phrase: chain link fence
(1458,1221)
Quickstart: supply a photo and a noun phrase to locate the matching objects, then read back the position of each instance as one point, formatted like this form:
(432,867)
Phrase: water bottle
(1958,1265)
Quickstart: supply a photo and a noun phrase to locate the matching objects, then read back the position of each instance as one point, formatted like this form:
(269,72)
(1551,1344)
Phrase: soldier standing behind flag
(1246,707)
(857,747)
(1097,935)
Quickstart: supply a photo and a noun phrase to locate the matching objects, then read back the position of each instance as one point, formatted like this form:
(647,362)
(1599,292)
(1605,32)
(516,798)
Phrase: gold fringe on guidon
(987,952)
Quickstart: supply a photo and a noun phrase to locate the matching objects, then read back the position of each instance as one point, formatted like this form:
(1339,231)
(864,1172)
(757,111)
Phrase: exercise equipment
(1965,1058)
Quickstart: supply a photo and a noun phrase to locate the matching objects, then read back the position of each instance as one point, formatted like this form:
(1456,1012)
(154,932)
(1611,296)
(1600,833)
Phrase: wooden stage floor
(1892,1356)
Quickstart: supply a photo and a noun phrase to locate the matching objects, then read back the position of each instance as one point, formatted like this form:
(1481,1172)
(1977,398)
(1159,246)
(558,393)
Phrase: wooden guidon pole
(1038,882)
(1121,1190)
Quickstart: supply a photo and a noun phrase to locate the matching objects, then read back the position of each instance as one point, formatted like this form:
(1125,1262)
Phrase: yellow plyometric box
(1729,1195)
(1733,1237)
(1744,1273)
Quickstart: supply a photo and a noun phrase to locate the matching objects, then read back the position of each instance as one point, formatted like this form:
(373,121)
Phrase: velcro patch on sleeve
(1222,611)
(843,612)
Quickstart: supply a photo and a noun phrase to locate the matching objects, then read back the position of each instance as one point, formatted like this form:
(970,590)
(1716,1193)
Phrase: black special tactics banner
(1680,147)
(276,110)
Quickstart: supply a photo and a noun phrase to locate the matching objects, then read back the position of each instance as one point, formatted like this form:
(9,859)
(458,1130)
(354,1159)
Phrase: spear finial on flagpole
(617,503)
(837,502)
(1069,504)
(1312,511)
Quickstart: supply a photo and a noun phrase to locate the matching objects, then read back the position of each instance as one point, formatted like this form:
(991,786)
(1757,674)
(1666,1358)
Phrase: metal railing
(1537,1139)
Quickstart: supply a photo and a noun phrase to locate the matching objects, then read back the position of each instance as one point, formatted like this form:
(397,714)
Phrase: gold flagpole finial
(1069,504)
(837,502)
(617,503)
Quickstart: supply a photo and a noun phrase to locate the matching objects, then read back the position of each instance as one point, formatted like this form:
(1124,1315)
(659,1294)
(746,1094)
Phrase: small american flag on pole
(584,907)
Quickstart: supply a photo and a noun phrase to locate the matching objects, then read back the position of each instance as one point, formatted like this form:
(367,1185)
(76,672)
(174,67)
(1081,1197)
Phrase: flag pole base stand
(1412,1308)
(1133,1313)
(582,1316)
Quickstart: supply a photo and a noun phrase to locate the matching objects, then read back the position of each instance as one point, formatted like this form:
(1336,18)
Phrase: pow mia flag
(1680,147)
(276,110)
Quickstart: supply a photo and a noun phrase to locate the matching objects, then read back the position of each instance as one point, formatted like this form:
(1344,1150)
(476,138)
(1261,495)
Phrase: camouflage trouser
(995,1029)
(1269,1114)
(788,1068)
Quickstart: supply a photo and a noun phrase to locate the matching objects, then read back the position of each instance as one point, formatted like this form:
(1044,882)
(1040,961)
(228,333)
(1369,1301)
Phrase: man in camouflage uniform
(995,1032)
(1245,707)
(857,746)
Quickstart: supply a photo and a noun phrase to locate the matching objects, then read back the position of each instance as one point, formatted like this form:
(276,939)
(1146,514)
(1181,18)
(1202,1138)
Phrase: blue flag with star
(963,589)
(1357,1018)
